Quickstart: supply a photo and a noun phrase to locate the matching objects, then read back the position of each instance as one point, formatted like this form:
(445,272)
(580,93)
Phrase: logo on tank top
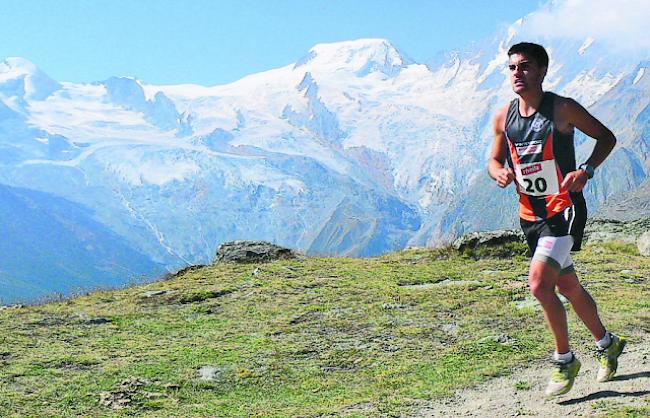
(537,124)
(529,147)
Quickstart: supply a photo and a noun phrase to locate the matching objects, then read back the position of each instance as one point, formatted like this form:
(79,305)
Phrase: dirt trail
(521,394)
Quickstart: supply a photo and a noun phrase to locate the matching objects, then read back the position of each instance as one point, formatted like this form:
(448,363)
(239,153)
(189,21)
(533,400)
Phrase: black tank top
(541,156)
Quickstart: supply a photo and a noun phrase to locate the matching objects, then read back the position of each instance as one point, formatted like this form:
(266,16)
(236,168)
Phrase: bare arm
(496,164)
(578,116)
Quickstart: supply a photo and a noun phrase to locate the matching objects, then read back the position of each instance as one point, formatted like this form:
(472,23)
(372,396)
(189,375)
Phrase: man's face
(525,73)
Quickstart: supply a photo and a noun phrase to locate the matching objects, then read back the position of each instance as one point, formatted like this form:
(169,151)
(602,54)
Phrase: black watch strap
(588,169)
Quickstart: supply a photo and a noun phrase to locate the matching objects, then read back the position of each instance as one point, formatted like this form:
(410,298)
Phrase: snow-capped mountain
(355,149)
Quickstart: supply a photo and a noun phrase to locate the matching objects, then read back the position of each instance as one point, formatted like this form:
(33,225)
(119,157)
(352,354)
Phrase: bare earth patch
(521,394)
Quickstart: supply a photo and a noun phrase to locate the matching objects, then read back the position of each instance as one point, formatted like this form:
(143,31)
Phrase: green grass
(523,385)
(620,247)
(316,337)
(607,411)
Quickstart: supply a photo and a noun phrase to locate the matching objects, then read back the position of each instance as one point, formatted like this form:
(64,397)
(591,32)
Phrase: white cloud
(621,24)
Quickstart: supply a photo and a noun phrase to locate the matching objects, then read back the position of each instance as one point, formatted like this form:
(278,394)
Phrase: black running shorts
(570,222)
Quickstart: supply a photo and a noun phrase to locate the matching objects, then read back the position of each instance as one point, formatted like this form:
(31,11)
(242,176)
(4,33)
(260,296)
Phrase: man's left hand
(575,181)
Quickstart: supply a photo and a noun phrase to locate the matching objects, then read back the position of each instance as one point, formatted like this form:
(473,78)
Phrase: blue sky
(215,42)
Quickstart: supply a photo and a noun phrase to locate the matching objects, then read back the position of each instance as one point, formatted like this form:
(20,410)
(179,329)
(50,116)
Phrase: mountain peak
(21,78)
(18,66)
(361,56)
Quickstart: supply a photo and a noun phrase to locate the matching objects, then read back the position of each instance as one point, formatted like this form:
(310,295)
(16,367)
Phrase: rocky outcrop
(490,238)
(597,230)
(643,244)
(604,230)
(251,252)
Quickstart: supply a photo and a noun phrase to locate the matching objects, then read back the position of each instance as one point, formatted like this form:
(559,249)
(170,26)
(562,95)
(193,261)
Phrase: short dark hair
(534,51)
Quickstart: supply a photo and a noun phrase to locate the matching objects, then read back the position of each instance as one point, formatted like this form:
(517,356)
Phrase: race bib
(537,179)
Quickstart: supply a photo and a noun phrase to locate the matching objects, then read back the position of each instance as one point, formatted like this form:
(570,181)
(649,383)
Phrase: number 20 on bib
(538,179)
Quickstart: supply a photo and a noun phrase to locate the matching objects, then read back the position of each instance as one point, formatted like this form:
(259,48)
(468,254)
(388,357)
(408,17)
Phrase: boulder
(606,230)
(489,238)
(211,373)
(643,244)
(251,252)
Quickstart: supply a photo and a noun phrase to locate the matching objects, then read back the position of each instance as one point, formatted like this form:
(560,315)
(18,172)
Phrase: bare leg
(542,279)
(582,302)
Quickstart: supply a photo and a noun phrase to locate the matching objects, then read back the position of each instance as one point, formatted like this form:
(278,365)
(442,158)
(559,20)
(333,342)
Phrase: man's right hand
(504,177)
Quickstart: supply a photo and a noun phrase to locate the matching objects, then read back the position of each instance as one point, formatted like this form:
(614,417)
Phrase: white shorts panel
(555,248)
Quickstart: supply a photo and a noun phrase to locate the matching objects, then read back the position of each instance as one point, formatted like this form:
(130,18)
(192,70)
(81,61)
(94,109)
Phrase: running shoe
(608,358)
(562,377)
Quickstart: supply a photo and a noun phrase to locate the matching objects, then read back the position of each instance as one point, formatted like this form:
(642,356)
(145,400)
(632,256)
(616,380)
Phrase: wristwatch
(588,169)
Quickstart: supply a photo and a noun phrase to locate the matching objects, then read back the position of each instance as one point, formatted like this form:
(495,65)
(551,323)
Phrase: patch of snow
(20,77)
(499,61)
(138,172)
(586,88)
(78,112)
(585,45)
(361,56)
(513,29)
(272,179)
(639,75)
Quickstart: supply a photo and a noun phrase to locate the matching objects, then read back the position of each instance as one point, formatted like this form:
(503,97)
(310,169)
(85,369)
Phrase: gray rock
(153,293)
(97,321)
(531,303)
(418,286)
(643,244)
(212,373)
(124,394)
(5,307)
(251,252)
(526,304)
(450,328)
(488,238)
(393,306)
(501,339)
(604,230)
(460,283)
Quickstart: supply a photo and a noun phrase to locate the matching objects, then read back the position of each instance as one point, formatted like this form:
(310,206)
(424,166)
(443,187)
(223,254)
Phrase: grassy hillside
(301,338)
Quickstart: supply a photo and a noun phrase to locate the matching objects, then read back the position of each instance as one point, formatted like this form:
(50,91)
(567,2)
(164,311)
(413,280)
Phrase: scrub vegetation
(313,337)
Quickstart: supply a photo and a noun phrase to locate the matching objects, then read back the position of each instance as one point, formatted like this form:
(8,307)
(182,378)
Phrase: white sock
(564,357)
(605,342)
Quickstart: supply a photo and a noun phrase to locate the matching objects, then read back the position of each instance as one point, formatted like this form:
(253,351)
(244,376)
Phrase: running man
(534,134)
